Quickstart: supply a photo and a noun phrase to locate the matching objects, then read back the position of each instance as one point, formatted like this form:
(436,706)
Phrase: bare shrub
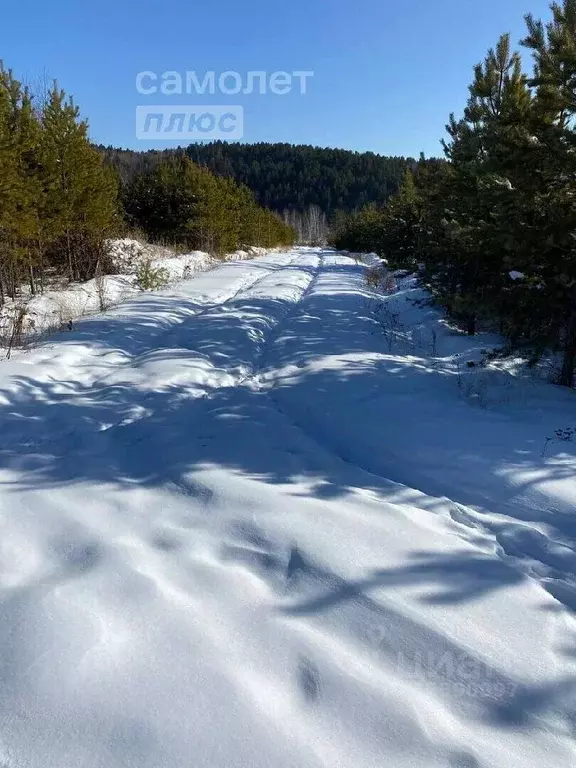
(390,324)
(17,330)
(100,282)
(474,386)
(565,435)
(380,279)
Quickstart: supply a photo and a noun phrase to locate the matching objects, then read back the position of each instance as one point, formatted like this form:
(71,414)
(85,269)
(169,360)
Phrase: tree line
(181,203)
(286,177)
(57,199)
(493,226)
(60,201)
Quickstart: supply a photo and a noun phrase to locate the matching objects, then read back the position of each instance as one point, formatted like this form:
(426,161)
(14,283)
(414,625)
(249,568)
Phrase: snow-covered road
(245,524)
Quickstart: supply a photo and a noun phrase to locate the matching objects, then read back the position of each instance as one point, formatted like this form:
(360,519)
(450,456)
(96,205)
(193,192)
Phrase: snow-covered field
(262,518)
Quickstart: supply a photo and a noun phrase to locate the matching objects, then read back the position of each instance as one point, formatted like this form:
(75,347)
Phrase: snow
(372,260)
(55,308)
(368,259)
(503,183)
(261,518)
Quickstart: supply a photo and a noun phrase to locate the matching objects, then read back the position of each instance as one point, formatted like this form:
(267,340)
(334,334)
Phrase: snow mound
(57,308)
(372,260)
(128,255)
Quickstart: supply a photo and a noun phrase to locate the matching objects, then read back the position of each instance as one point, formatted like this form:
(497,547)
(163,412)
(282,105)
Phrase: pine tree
(554,50)
(29,225)
(182,203)
(80,199)
(57,200)
(9,178)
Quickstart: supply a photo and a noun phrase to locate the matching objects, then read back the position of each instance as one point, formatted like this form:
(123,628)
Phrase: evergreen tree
(284,177)
(179,202)
(503,203)
(554,270)
(57,199)
(81,194)
(10,180)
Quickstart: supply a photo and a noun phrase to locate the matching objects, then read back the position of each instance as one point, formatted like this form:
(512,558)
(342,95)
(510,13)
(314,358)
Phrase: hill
(285,176)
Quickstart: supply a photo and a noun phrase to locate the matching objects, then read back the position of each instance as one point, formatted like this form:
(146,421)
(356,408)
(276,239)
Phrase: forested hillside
(60,201)
(493,229)
(285,177)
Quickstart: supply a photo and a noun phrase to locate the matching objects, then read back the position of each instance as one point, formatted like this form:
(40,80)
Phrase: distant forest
(285,177)
(60,201)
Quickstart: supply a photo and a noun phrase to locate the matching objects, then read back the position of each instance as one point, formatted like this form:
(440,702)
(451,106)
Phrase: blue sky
(387,74)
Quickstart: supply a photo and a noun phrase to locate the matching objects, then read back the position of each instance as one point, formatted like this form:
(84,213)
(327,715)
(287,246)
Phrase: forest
(285,177)
(492,228)
(181,203)
(60,201)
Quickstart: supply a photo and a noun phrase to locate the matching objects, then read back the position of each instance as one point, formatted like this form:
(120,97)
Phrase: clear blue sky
(387,74)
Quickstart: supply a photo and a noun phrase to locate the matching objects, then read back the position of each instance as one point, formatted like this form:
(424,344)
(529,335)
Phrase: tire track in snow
(223,345)
(75,394)
(231,337)
(260,362)
(244,286)
(548,562)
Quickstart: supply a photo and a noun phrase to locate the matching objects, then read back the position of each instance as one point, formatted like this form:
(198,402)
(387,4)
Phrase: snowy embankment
(260,519)
(55,308)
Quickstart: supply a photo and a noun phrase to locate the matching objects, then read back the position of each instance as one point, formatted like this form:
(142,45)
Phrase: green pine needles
(183,204)
(493,227)
(60,200)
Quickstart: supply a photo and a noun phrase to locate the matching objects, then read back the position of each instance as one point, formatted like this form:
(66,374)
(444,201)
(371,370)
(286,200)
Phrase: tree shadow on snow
(420,652)
(344,412)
